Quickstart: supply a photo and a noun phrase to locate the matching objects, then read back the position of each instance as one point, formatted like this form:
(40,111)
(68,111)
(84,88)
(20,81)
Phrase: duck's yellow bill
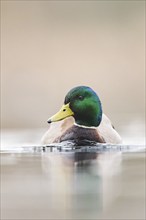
(64,112)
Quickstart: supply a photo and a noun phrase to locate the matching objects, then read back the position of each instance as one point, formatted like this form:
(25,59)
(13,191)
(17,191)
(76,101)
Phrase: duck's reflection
(81,182)
(84,158)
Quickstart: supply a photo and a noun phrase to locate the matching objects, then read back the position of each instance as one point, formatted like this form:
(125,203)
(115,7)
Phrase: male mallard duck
(81,118)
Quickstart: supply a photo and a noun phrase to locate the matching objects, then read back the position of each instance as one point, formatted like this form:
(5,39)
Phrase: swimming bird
(81,118)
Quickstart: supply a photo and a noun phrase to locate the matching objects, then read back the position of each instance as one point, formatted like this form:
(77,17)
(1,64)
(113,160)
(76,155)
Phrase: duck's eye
(80,97)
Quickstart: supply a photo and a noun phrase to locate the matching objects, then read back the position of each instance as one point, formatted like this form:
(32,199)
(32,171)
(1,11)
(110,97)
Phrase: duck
(81,118)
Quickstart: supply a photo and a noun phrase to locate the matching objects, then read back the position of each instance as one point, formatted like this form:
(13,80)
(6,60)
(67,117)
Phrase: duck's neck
(84,126)
(89,122)
(90,118)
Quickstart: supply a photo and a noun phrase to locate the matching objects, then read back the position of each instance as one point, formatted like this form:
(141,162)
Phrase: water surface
(66,183)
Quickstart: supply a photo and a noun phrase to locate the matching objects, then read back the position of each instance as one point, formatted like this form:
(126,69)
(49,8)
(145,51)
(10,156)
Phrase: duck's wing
(56,130)
(107,131)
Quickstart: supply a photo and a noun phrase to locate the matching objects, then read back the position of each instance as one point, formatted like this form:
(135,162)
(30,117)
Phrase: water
(56,183)
(64,182)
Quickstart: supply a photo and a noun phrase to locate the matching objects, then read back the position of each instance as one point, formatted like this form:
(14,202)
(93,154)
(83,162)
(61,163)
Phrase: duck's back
(108,132)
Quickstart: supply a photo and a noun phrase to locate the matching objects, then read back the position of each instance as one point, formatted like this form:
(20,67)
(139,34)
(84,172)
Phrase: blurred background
(48,47)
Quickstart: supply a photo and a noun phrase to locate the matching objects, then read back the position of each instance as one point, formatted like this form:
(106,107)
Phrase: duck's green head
(83,104)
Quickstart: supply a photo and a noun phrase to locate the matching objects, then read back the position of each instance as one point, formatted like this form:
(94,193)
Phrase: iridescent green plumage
(86,106)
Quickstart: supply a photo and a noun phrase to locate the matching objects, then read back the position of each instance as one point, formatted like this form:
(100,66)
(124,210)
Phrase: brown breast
(77,133)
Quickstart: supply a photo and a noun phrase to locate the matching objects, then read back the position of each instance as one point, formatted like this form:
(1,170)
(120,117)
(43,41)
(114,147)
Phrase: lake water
(101,182)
